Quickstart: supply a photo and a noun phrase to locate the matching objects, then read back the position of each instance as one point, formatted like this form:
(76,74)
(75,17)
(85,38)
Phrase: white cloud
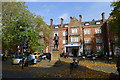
(64,16)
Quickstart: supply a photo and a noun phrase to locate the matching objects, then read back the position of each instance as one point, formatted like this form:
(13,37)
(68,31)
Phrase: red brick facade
(77,36)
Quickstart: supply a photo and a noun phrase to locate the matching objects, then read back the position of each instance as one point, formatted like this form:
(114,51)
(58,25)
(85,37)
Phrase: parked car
(89,56)
(98,55)
(13,55)
(18,59)
(45,56)
(37,54)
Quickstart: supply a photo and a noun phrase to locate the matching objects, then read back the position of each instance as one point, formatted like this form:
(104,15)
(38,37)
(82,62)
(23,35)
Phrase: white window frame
(65,33)
(88,40)
(98,30)
(98,48)
(88,48)
(87,31)
(98,40)
(74,39)
(74,30)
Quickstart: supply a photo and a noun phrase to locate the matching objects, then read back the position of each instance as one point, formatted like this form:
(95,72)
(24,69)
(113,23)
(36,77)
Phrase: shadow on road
(59,70)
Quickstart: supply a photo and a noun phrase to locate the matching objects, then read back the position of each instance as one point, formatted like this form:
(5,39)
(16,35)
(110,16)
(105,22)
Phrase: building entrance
(75,52)
(72,49)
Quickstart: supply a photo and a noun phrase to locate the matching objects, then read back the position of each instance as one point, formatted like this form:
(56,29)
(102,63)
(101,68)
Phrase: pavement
(95,65)
(86,69)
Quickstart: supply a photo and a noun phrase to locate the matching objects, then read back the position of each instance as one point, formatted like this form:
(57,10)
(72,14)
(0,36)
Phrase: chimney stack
(71,18)
(61,21)
(103,17)
(80,16)
(51,23)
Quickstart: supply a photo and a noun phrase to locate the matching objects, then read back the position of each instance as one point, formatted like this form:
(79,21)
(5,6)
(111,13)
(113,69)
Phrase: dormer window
(66,25)
(86,24)
(97,22)
(56,27)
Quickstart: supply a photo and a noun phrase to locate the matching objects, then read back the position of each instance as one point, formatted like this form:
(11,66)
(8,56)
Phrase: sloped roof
(93,22)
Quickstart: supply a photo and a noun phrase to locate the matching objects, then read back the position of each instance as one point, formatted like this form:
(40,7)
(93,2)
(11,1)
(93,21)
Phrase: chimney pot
(51,23)
(61,22)
(71,19)
(80,16)
(103,16)
(51,19)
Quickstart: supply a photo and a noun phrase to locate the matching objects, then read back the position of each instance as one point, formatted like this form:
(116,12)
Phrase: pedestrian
(118,66)
(35,60)
(48,56)
(73,65)
(65,55)
(33,57)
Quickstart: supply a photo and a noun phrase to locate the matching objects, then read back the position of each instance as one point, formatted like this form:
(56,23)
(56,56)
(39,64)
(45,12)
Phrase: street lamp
(83,40)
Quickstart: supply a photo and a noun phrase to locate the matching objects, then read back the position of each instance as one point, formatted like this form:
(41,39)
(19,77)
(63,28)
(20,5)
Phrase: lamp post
(83,40)
(24,47)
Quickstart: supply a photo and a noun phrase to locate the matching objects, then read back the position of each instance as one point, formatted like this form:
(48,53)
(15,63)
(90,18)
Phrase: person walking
(73,65)
(65,55)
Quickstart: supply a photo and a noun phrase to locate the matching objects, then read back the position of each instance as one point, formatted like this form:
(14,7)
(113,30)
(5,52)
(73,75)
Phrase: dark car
(45,56)
(90,56)
(98,55)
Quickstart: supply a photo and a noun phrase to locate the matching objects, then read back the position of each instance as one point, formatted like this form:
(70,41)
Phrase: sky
(57,10)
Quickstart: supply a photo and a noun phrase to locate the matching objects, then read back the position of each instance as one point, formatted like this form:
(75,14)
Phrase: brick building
(77,37)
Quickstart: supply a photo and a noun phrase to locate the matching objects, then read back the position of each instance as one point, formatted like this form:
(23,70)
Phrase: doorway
(75,52)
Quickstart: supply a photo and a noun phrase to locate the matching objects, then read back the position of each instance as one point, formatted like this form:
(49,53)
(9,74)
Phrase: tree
(18,24)
(114,23)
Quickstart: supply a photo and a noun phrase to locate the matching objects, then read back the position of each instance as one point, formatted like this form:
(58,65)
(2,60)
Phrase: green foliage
(114,23)
(20,24)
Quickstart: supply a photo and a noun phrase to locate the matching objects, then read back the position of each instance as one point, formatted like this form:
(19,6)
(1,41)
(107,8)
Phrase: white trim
(72,45)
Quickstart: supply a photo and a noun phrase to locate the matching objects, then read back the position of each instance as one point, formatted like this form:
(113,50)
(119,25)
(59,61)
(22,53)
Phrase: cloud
(64,16)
